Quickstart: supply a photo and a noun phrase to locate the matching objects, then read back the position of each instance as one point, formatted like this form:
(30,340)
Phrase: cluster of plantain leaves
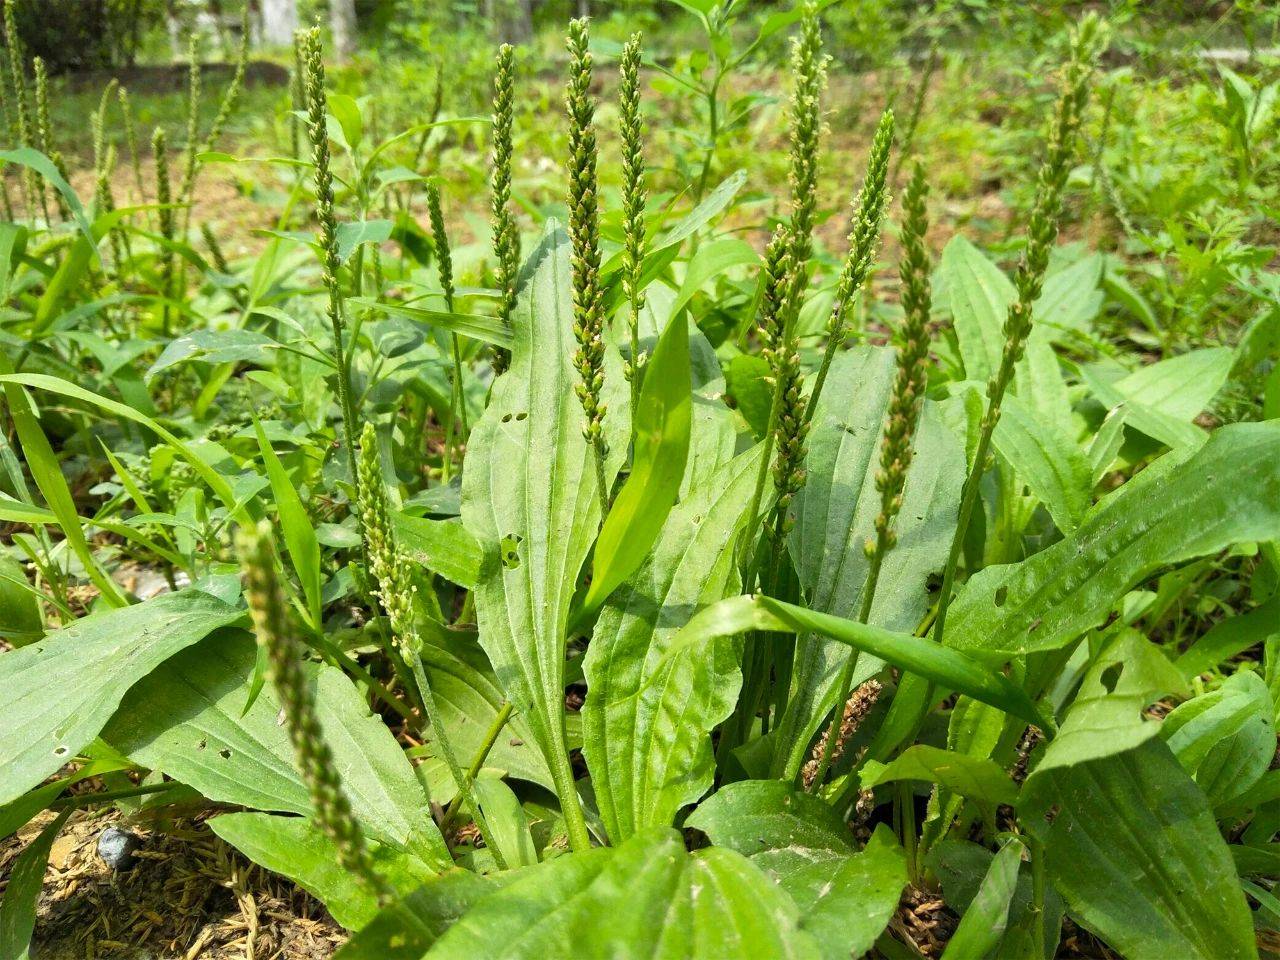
(768,741)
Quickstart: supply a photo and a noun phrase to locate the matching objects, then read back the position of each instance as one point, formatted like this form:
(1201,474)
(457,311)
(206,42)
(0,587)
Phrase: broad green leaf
(60,691)
(1052,466)
(980,779)
(354,234)
(1180,387)
(648,898)
(508,823)
(407,929)
(835,514)
(530,498)
(747,382)
(798,840)
(299,850)
(648,718)
(943,666)
(980,299)
(1185,505)
(486,329)
(26,877)
(469,698)
(1071,297)
(1041,387)
(20,619)
(295,524)
(1106,716)
(661,423)
(346,110)
(848,903)
(777,826)
(188,721)
(1136,854)
(709,261)
(702,214)
(986,917)
(214,346)
(962,867)
(1226,738)
(441,546)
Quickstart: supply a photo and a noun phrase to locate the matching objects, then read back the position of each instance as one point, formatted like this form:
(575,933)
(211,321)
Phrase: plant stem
(78,801)
(450,757)
(477,763)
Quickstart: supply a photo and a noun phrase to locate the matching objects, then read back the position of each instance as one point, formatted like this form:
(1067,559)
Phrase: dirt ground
(188,895)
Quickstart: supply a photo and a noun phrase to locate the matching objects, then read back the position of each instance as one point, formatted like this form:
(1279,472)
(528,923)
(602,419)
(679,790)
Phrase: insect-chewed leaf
(61,691)
(1105,718)
(835,515)
(648,718)
(647,898)
(529,498)
(1136,854)
(1185,505)
(185,721)
(845,898)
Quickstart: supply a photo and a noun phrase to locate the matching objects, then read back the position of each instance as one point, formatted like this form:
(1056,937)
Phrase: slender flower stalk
(44,130)
(215,248)
(584,234)
(809,77)
(317,108)
(776,277)
(1042,233)
(506,238)
(444,263)
(394,588)
(164,204)
(905,403)
(278,635)
(194,93)
(231,96)
(633,200)
(298,91)
(22,111)
(131,141)
(864,242)
(917,109)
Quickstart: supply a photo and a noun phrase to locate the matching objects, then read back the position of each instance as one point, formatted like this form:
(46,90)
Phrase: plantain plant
(658,675)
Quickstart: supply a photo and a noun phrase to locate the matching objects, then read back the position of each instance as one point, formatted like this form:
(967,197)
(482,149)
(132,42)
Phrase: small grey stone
(116,847)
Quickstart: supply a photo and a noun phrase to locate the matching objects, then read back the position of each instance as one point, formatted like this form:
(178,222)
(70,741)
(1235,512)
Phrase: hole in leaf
(1111,676)
(510,548)
(506,418)
(60,751)
(1002,594)
(224,753)
(521,416)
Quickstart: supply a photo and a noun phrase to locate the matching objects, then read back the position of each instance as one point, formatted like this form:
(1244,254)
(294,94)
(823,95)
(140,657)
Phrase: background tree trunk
(279,20)
(342,21)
